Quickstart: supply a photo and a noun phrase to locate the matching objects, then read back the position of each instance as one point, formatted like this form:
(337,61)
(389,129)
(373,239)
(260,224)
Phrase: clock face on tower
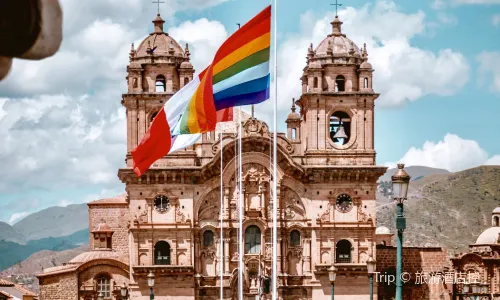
(162,203)
(344,203)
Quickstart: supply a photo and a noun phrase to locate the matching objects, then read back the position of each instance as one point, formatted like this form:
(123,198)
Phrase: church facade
(168,222)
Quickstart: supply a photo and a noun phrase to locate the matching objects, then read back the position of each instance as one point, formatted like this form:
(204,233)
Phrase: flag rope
(221,240)
(275,177)
(240,211)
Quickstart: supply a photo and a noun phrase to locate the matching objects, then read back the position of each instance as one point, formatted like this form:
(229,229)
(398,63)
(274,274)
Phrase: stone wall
(90,275)
(421,264)
(60,287)
(117,217)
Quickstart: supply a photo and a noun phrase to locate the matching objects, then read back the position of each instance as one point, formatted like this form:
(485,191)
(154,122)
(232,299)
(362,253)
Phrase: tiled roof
(4,282)
(96,254)
(102,227)
(120,199)
(9,287)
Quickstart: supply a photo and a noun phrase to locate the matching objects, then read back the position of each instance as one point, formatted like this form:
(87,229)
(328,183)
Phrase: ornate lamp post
(123,291)
(400,182)
(151,284)
(371,265)
(100,296)
(332,275)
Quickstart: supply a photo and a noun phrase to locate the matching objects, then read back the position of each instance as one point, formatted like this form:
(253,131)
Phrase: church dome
(366,65)
(165,44)
(186,65)
(93,255)
(337,43)
(382,230)
(489,236)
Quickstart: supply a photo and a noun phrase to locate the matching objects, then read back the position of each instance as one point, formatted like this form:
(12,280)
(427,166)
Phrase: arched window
(160,84)
(153,116)
(366,83)
(186,80)
(294,133)
(496,221)
(134,82)
(208,238)
(340,83)
(295,238)
(315,82)
(340,128)
(252,239)
(343,252)
(162,253)
(104,286)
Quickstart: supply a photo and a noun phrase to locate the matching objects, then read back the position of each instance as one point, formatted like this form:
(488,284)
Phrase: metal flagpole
(240,215)
(240,211)
(275,154)
(221,255)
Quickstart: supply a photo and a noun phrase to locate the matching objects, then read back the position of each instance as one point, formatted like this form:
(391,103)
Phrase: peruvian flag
(159,140)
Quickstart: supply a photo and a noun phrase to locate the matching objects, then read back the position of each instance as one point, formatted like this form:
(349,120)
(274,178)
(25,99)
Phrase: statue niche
(255,190)
(208,213)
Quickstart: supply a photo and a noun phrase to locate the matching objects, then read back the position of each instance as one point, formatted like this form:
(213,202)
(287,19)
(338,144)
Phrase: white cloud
(452,153)
(403,72)
(441,4)
(202,43)
(495,20)
(494,160)
(62,125)
(489,67)
(16,217)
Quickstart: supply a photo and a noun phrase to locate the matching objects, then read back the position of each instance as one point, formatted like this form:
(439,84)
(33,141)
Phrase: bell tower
(337,103)
(158,68)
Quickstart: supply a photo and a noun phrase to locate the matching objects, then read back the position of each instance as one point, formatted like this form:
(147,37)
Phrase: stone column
(142,120)
(307,256)
(133,126)
(197,266)
(227,254)
(226,203)
(129,129)
(130,254)
(278,250)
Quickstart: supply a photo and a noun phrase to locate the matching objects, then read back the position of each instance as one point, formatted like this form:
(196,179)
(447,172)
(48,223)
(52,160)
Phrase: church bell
(340,134)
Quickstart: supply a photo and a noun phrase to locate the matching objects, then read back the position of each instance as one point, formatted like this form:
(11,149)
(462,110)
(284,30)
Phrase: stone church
(168,222)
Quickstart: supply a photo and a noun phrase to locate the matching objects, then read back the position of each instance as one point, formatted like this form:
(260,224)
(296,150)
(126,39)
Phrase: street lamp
(100,296)
(151,283)
(400,182)
(332,275)
(123,291)
(371,265)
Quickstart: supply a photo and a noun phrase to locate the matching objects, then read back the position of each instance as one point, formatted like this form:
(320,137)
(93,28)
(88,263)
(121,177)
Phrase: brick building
(168,220)
(480,267)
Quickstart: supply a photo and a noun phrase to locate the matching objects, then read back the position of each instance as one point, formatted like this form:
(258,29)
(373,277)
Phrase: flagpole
(221,249)
(275,154)
(240,211)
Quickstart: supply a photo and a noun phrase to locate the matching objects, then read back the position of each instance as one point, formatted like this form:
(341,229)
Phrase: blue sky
(437,67)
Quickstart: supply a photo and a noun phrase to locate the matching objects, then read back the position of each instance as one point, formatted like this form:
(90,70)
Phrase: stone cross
(337,5)
(158,2)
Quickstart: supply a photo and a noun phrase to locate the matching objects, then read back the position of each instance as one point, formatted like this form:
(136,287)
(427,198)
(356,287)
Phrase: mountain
(13,253)
(446,209)
(8,233)
(416,172)
(25,271)
(54,222)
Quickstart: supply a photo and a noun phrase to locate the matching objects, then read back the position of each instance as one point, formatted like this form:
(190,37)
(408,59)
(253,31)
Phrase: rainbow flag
(238,75)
